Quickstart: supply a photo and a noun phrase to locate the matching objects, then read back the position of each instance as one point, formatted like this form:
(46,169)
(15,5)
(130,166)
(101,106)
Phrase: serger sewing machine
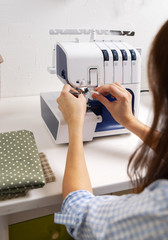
(86,65)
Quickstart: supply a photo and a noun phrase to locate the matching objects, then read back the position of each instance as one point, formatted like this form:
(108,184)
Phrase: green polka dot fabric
(20,167)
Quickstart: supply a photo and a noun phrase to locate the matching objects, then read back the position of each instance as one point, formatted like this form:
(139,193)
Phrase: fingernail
(95,92)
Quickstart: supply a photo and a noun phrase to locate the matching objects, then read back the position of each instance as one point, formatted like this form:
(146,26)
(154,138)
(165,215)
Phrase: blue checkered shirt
(133,216)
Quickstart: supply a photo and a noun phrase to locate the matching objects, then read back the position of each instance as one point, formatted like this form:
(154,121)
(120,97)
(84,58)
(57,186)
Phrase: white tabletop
(106,157)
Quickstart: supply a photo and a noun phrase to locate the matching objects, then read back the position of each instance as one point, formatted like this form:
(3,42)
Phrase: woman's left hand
(73,108)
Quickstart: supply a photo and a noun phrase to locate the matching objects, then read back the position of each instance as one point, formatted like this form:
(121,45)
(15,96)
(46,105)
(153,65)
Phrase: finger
(98,93)
(105,89)
(120,86)
(96,88)
(101,87)
(60,108)
(73,90)
(117,92)
(82,96)
(66,92)
(66,88)
(112,89)
(58,100)
(102,99)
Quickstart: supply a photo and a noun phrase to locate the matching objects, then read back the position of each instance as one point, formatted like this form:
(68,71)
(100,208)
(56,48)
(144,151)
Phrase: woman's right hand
(73,108)
(121,108)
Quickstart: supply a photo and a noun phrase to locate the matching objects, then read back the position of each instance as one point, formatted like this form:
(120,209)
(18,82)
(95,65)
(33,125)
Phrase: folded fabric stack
(20,166)
(48,173)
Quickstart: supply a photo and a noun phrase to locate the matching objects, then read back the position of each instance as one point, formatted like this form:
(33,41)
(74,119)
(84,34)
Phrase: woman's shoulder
(155,196)
(158,185)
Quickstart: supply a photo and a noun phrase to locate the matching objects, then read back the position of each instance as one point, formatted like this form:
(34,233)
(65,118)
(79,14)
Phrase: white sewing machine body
(88,65)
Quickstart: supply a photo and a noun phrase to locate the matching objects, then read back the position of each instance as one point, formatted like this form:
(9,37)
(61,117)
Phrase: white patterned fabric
(132,216)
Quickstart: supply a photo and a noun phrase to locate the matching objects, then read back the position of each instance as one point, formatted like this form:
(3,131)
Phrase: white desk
(106,159)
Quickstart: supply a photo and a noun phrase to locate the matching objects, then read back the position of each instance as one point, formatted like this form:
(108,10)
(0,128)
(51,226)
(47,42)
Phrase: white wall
(26,45)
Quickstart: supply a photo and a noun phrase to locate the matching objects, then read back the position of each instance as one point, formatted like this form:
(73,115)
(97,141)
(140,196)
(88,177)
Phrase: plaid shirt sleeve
(133,216)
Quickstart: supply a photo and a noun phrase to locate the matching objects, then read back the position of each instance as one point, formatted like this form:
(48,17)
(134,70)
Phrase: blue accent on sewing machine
(108,122)
(62,64)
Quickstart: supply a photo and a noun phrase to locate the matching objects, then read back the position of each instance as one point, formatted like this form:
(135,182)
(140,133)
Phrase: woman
(143,215)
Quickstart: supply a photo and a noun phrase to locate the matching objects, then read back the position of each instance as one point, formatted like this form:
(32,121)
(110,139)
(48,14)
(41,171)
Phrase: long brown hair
(146,166)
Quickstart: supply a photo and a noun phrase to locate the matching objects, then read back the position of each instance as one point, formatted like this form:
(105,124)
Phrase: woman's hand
(73,108)
(121,109)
